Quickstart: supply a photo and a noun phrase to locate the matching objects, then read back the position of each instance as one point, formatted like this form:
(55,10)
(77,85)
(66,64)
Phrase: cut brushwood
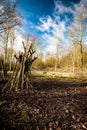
(21,75)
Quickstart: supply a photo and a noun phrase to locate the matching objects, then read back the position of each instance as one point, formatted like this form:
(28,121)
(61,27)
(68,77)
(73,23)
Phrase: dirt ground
(52,104)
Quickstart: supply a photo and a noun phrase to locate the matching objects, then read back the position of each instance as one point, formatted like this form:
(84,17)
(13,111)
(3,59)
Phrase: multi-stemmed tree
(21,75)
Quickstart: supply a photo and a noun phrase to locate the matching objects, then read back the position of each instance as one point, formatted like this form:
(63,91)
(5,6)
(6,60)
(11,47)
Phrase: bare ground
(53,104)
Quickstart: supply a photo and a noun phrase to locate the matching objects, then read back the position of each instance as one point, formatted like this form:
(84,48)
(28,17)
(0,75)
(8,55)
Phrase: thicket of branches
(8,15)
(21,75)
(9,19)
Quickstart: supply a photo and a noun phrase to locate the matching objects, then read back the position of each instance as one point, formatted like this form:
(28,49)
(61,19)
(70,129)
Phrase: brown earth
(52,104)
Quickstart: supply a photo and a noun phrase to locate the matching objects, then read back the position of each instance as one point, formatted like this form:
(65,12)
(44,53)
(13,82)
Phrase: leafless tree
(22,72)
(8,20)
(77,33)
(8,15)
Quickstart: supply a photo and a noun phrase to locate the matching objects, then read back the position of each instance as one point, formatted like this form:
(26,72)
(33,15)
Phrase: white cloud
(46,23)
(60,8)
(1,9)
(54,30)
(53,36)
(18,41)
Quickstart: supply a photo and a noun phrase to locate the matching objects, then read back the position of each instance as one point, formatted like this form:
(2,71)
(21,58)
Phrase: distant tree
(85,55)
(38,64)
(8,20)
(57,39)
(8,15)
(12,37)
(65,60)
(51,61)
(77,33)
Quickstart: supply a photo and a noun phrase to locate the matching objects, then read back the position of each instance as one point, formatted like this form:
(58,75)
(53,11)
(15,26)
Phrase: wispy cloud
(1,9)
(60,8)
(18,41)
(80,11)
(54,28)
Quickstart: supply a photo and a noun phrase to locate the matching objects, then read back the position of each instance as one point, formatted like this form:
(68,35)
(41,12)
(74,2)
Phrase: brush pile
(21,75)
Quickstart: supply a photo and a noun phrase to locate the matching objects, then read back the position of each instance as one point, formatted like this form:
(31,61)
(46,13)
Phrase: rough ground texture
(51,105)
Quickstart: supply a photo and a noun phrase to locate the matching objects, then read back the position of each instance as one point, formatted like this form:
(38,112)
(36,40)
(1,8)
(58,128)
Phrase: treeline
(10,20)
(72,59)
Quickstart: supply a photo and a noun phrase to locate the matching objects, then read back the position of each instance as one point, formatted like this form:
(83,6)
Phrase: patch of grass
(2,102)
(23,111)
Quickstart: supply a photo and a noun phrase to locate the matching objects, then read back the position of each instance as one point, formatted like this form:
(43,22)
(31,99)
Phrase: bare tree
(12,39)
(57,44)
(77,33)
(8,15)
(8,20)
(22,72)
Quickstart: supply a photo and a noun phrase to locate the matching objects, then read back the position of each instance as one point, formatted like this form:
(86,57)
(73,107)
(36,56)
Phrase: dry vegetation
(54,102)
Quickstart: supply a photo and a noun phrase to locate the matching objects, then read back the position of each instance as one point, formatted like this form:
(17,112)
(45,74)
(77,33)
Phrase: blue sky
(49,20)
(37,7)
(32,10)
